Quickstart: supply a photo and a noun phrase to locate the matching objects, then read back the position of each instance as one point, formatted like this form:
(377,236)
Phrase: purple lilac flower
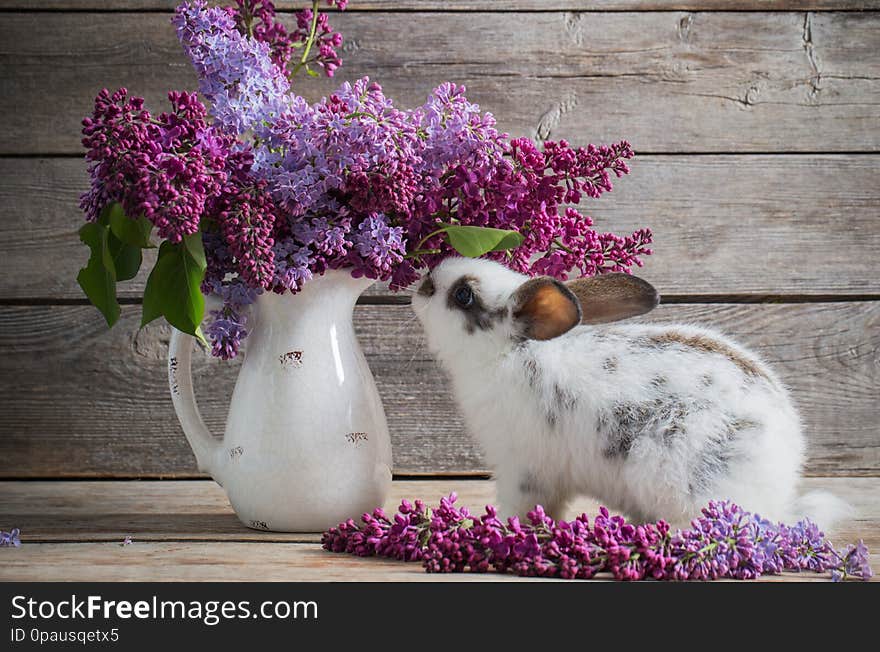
(856,563)
(354,155)
(246,216)
(164,168)
(225,331)
(237,74)
(402,538)
(283,190)
(725,541)
(292,265)
(10,539)
(379,247)
(227,326)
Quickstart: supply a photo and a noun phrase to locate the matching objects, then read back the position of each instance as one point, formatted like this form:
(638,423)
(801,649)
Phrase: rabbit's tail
(823,508)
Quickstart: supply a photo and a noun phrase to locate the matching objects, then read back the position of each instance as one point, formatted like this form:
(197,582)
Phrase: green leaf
(312,73)
(104,216)
(126,258)
(174,290)
(474,241)
(196,248)
(98,278)
(132,232)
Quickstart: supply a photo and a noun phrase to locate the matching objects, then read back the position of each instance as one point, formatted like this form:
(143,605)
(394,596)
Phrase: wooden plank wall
(757,128)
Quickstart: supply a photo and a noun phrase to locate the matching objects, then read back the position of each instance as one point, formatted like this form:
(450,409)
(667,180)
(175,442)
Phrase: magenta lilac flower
(323,51)
(164,168)
(256,19)
(725,541)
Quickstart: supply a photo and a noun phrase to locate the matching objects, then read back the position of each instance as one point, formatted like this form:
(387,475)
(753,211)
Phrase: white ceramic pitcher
(306,444)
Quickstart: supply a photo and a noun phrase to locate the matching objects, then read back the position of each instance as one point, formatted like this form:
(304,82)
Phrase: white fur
(535,408)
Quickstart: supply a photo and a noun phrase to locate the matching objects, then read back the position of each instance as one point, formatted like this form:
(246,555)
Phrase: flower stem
(421,252)
(428,237)
(309,41)
(562,246)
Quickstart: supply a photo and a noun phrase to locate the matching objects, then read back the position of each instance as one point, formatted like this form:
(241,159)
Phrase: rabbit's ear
(611,297)
(543,308)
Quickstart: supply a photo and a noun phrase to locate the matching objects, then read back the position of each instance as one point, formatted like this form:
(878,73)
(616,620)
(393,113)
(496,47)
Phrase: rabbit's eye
(464,296)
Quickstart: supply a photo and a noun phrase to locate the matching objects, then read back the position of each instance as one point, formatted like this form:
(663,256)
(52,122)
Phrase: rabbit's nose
(426,289)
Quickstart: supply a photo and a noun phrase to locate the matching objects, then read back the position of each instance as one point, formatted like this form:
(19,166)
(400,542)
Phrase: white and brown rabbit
(653,420)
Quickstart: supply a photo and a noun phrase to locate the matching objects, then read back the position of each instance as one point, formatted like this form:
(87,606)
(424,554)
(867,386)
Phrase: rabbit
(653,420)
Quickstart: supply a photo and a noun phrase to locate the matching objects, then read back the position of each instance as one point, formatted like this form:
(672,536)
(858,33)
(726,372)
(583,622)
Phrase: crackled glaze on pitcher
(306,443)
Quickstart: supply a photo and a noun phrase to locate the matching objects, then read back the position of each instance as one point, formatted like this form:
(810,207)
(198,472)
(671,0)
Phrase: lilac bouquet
(258,190)
(724,542)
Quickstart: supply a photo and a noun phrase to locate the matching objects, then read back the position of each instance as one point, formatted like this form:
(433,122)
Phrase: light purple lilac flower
(10,539)
(225,330)
(292,264)
(227,325)
(237,74)
(855,563)
(379,247)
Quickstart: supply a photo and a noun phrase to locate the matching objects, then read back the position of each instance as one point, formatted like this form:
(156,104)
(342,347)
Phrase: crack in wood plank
(815,80)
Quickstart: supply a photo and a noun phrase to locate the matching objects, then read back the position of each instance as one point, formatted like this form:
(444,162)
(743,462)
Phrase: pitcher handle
(200,439)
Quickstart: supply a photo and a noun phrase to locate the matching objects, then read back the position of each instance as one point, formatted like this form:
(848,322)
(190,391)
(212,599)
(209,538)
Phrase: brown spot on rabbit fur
(563,400)
(660,419)
(529,484)
(708,345)
(533,374)
(714,458)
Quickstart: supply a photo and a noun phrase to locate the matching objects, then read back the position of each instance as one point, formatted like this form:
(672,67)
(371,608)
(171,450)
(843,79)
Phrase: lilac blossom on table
(10,539)
(725,541)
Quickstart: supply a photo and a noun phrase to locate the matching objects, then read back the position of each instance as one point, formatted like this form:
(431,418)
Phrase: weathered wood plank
(78,401)
(175,540)
(475,5)
(197,510)
(748,224)
(668,81)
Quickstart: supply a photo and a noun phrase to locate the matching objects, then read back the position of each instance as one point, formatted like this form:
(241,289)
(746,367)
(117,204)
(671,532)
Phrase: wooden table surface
(758,170)
(186,531)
